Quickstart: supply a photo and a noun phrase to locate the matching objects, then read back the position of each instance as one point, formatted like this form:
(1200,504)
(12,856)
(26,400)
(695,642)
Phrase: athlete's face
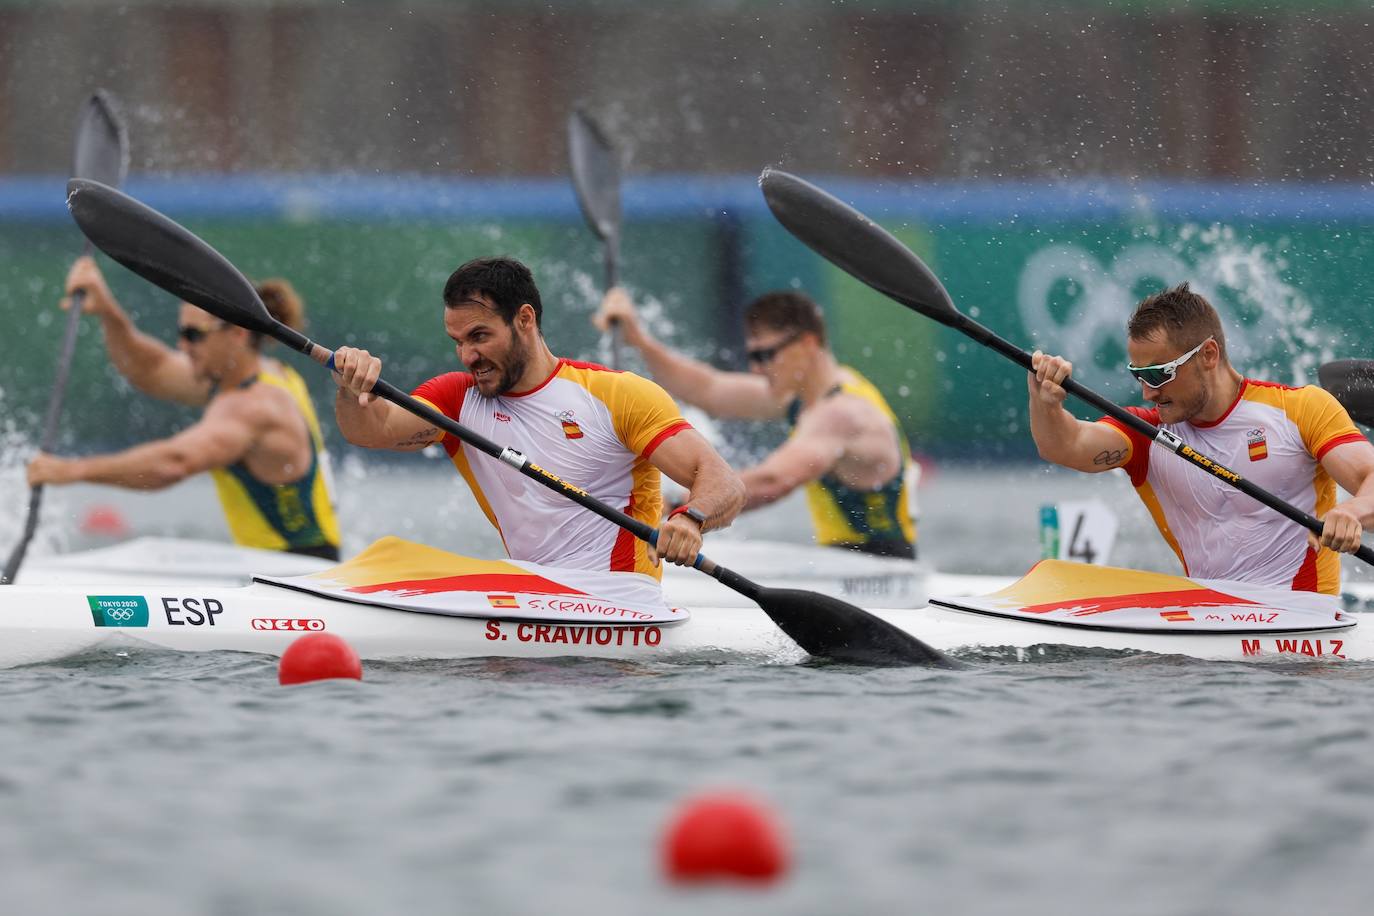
(213,346)
(782,357)
(496,353)
(1184,396)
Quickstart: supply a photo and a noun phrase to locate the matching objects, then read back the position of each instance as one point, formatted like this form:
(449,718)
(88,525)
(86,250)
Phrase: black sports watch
(693,513)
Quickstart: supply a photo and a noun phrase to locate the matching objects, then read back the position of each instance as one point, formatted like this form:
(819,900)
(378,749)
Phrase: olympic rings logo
(119,613)
(1258,308)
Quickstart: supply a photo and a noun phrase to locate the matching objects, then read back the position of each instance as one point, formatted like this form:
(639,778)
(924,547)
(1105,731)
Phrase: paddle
(1352,382)
(159,250)
(101,154)
(596,179)
(862,248)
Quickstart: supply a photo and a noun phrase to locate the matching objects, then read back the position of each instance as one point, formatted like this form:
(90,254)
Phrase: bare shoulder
(843,414)
(262,406)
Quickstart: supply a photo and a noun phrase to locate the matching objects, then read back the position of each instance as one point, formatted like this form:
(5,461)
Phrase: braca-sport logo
(118,610)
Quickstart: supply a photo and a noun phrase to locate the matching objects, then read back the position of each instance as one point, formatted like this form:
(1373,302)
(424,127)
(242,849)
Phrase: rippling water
(166,783)
(161,783)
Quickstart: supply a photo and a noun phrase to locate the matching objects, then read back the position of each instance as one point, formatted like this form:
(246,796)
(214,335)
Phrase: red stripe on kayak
(489,582)
(1188,597)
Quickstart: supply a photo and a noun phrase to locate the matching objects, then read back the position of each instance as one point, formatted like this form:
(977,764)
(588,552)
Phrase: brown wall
(977,91)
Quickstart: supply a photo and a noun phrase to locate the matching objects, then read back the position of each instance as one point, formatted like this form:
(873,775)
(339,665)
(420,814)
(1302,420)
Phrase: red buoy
(318,657)
(724,836)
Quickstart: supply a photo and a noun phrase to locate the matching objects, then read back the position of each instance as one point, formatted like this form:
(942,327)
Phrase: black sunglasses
(764,355)
(196,335)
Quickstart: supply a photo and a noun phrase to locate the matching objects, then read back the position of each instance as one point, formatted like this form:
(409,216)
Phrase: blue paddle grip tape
(330,365)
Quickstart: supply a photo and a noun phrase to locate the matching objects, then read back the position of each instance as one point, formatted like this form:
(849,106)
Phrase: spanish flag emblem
(502,601)
(570,427)
(1257,444)
(1179,616)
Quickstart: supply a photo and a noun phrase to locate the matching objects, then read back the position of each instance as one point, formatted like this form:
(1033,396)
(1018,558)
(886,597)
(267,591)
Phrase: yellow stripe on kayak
(1061,580)
(394,559)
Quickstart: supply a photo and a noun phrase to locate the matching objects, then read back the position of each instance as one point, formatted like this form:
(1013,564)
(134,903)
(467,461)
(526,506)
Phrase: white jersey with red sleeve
(595,428)
(1274,436)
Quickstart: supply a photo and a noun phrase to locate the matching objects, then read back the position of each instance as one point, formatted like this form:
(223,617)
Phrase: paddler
(847,449)
(608,432)
(258,436)
(1297,443)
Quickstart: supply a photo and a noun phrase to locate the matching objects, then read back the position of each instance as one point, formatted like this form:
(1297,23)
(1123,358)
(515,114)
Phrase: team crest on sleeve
(1258,445)
(569,422)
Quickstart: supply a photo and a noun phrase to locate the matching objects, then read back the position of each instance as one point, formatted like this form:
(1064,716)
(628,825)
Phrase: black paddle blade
(595,173)
(1352,382)
(101,152)
(833,629)
(856,245)
(167,255)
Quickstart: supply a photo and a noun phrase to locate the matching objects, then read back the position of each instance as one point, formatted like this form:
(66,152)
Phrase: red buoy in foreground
(724,836)
(318,657)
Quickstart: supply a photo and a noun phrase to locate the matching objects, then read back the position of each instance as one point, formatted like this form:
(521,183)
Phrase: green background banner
(1040,266)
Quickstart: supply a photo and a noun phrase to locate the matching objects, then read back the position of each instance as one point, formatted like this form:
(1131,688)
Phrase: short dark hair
(1185,317)
(786,310)
(505,281)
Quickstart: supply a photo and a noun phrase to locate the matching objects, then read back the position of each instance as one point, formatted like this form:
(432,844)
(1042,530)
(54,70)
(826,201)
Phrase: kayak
(1059,603)
(394,600)
(400,600)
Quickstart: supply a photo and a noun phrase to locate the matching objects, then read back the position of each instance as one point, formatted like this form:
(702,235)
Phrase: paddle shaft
(49,436)
(1163,437)
(518,460)
(610,253)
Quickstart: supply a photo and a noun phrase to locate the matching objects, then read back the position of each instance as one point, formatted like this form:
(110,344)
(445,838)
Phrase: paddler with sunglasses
(258,436)
(847,449)
(1297,443)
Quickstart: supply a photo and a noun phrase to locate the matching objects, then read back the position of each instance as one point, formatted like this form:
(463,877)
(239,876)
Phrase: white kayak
(399,600)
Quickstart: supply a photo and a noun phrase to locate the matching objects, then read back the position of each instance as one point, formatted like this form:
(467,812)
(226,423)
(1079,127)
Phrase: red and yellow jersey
(1274,436)
(595,428)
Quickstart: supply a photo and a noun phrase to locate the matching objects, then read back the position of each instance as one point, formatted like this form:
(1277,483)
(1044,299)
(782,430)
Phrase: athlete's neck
(541,365)
(240,370)
(1225,390)
(821,377)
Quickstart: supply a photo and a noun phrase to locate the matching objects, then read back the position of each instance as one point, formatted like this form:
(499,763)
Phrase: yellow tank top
(874,521)
(296,517)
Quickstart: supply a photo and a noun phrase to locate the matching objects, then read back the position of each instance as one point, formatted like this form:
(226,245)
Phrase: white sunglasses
(1159,375)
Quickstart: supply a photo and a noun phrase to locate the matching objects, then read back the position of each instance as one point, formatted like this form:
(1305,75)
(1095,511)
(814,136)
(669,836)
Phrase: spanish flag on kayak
(407,576)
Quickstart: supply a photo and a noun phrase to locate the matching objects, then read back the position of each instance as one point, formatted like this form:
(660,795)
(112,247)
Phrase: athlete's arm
(367,420)
(738,395)
(812,451)
(221,438)
(1061,437)
(150,365)
(712,487)
(1352,466)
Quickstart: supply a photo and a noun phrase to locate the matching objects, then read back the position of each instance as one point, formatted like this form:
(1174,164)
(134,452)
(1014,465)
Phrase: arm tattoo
(423,437)
(1110,457)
